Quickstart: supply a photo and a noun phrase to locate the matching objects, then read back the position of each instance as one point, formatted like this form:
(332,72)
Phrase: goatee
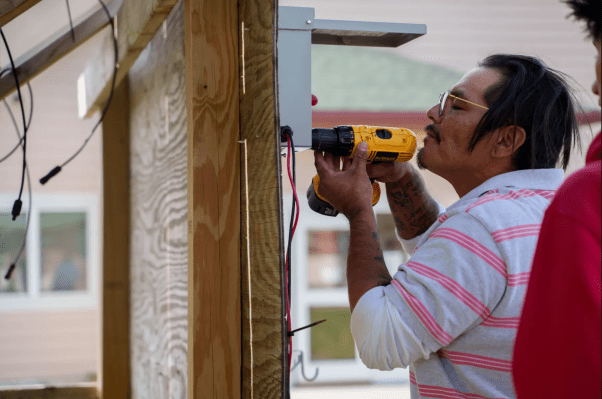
(420,160)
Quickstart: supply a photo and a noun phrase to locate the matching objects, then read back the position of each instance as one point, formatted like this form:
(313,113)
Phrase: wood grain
(11,9)
(115,362)
(158,187)
(212,87)
(56,47)
(137,23)
(81,391)
(260,126)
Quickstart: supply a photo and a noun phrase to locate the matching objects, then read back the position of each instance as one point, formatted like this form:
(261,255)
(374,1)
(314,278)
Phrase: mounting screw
(308,22)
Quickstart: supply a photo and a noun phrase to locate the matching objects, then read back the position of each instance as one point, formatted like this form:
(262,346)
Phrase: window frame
(34,299)
(304,298)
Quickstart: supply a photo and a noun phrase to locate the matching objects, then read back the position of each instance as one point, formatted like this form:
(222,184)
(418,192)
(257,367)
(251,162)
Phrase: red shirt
(557,352)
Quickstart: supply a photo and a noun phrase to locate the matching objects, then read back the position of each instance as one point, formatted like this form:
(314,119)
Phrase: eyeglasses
(443,99)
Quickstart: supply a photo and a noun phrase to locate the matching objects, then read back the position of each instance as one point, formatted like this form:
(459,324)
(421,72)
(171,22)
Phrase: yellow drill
(385,144)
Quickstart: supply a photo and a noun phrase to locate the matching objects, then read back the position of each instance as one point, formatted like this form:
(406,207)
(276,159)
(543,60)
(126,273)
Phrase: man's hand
(348,190)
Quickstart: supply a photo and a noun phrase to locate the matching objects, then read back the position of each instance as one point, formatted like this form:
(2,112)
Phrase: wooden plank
(137,23)
(11,9)
(159,209)
(265,373)
(212,98)
(80,391)
(56,47)
(115,362)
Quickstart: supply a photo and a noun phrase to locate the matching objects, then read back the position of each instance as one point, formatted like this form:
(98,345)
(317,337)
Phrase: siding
(49,346)
(460,33)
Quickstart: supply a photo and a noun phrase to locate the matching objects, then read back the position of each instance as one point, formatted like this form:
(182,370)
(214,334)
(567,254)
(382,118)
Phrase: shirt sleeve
(448,286)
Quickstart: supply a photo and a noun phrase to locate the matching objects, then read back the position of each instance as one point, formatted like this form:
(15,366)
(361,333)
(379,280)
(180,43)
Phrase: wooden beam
(212,99)
(56,47)
(115,362)
(137,23)
(11,9)
(75,391)
(265,369)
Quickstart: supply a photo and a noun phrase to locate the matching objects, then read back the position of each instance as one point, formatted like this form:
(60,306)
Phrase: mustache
(433,129)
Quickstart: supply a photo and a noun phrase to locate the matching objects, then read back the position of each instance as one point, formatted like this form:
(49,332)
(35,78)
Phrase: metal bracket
(297,31)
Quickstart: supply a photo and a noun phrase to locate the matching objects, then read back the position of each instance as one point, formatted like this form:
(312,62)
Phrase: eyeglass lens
(442,100)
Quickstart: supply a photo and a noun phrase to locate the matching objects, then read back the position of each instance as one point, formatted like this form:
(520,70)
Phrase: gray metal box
(297,31)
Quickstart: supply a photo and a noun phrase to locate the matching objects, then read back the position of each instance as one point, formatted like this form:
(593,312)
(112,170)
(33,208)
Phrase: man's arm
(413,209)
(366,266)
(350,192)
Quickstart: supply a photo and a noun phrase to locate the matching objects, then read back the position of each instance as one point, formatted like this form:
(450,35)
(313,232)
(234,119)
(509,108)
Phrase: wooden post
(214,311)
(230,81)
(115,368)
(264,351)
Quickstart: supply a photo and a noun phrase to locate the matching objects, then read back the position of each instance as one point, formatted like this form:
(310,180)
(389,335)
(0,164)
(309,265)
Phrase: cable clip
(291,333)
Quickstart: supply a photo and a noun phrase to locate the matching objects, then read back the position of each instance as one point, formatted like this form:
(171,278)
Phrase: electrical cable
(70,21)
(18,203)
(293,226)
(11,152)
(13,265)
(57,169)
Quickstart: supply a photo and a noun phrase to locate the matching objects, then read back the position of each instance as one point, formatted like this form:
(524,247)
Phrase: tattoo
(375,236)
(414,211)
(400,198)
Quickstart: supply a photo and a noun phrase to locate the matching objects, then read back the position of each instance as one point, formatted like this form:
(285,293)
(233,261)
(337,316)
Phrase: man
(558,351)
(451,312)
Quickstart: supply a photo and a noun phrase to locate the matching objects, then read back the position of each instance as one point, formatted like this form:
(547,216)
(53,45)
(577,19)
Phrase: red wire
(290,176)
(288,306)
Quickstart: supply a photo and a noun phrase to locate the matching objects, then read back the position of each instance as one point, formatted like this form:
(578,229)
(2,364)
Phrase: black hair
(590,12)
(536,98)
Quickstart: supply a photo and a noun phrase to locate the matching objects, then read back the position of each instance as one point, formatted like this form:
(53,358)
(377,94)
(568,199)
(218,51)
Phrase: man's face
(445,151)
(596,87)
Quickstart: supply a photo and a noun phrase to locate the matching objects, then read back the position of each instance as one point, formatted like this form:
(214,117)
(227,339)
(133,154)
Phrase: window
(59,265)
(319,291)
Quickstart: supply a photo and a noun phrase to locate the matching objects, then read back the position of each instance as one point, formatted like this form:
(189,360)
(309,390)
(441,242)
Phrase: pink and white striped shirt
(451,312)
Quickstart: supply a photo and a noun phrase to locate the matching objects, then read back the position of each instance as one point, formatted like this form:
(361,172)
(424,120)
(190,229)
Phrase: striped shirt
(451,312)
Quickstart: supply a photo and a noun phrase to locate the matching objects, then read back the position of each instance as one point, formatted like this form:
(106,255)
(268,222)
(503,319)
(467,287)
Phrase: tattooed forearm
(366,267)
(413,209)
(375,237)
(383,276)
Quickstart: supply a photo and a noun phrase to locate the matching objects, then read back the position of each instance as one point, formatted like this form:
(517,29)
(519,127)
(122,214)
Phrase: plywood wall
(159,270)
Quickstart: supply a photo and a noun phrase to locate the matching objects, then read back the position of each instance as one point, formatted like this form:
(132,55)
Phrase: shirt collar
(534,179)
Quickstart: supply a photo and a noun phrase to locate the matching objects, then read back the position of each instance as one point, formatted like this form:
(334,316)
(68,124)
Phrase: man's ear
(509,139)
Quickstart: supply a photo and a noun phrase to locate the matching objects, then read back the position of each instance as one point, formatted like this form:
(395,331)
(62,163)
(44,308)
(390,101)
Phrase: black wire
(289,246)
(57,169)
(24,145)
(12,266)
(70,21)
(104,111)
(290,231)
(11,152)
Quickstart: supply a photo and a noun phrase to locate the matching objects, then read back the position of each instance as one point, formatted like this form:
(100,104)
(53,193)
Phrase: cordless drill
(385,144)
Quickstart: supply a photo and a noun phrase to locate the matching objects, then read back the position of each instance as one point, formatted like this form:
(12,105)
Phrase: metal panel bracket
(297,31)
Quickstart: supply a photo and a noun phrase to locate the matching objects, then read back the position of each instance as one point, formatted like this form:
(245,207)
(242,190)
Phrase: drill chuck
(338,141)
